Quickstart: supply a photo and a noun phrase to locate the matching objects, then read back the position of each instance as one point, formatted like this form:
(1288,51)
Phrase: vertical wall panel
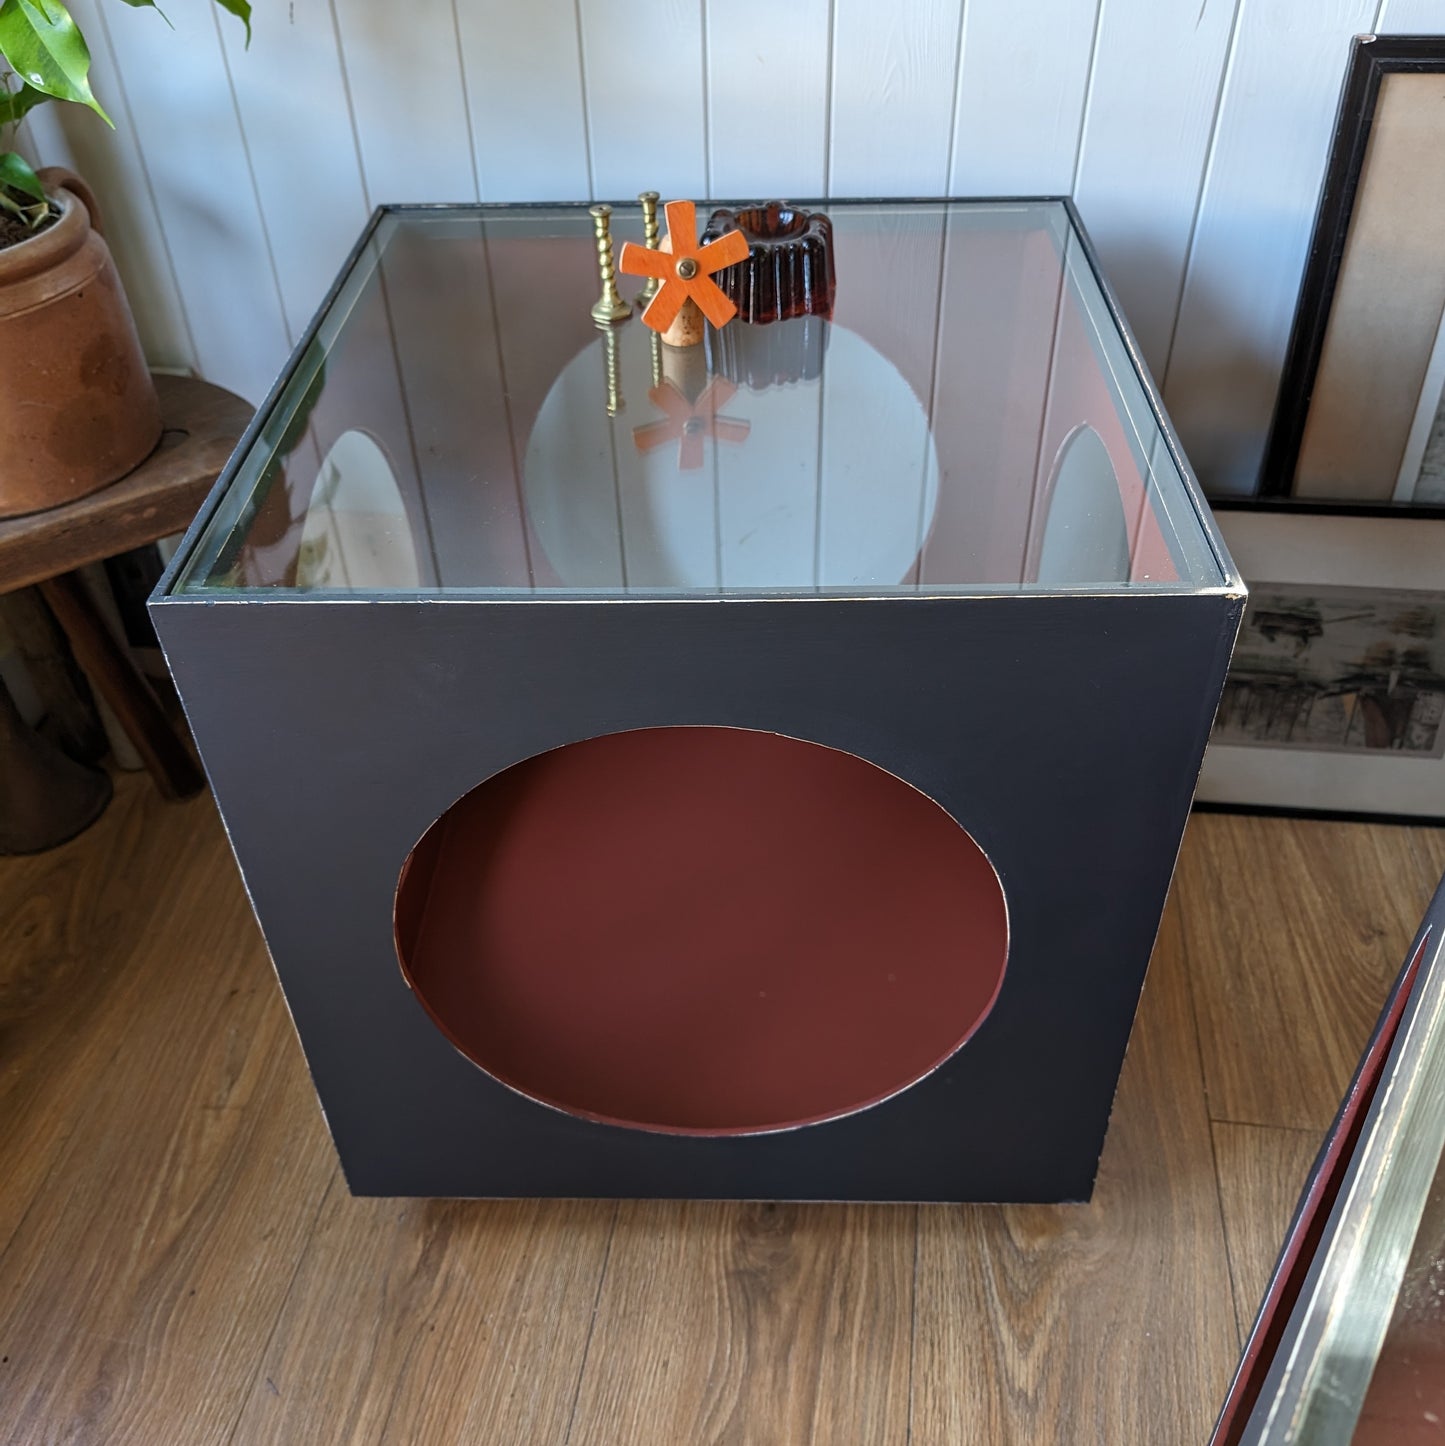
(644,73)
(895,69)
(767,97)
(66,135)
(523,69)
(185,122)
(408,98)
(294,113)
(1253,230)
(1150,110)
(1411,17)
(1023,72)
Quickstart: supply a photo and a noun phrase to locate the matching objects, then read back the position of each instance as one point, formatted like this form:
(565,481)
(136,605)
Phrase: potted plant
(77,406)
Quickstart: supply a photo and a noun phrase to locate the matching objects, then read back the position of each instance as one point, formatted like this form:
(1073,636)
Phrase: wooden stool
(202,426)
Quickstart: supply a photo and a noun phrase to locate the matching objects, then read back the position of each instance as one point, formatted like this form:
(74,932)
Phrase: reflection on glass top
(967,420)
(1407,1389)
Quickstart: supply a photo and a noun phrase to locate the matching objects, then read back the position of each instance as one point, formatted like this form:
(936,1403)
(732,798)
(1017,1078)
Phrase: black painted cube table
(753,769)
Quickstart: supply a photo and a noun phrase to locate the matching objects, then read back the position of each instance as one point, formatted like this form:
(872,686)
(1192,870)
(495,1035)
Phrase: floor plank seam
(121,970)
(265,1350)
(913,1321)
(1236,1313)
(1220,1213)
(592,1325)
(64,1151)
(61,1150)
(398,1378)
(1318,1130)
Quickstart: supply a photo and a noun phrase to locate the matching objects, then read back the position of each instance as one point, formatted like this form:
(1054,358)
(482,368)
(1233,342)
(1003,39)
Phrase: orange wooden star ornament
(685,269)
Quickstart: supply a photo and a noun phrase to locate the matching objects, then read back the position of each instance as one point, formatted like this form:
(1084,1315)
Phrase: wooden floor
(181,1264)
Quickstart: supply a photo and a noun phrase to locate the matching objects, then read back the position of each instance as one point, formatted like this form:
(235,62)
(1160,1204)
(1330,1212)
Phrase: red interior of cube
(702,930)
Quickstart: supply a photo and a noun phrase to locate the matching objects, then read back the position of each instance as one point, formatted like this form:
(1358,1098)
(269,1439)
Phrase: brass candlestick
(610,307)
(649,201)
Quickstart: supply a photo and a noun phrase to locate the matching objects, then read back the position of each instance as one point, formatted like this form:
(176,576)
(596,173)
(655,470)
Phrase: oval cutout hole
(702,930)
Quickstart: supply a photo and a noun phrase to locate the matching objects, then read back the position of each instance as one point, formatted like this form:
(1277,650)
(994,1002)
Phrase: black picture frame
(1392,546)
(1372,57)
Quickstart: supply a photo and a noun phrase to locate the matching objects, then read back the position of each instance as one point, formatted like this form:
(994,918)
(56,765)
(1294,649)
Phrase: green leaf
(16,104)
(241,9)
(46,49)
(150,5)
(16,175)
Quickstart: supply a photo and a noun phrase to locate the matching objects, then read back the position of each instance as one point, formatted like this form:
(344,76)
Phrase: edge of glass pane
(184,577)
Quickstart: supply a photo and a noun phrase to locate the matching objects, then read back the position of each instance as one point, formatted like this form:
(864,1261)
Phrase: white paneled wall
(1023,78)
(893,82)
(1192,133)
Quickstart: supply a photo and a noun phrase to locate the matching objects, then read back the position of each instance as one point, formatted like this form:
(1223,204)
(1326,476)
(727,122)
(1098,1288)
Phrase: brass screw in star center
(687,268)
(610,307)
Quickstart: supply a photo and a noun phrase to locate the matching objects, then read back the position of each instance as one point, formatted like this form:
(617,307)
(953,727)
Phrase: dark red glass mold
(789,269)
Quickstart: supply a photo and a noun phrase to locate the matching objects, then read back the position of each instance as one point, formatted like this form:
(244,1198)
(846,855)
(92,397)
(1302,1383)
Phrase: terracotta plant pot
(78,409)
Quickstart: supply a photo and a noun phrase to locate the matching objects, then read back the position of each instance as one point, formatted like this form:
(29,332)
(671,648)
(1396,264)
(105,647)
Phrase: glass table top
(968,420)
